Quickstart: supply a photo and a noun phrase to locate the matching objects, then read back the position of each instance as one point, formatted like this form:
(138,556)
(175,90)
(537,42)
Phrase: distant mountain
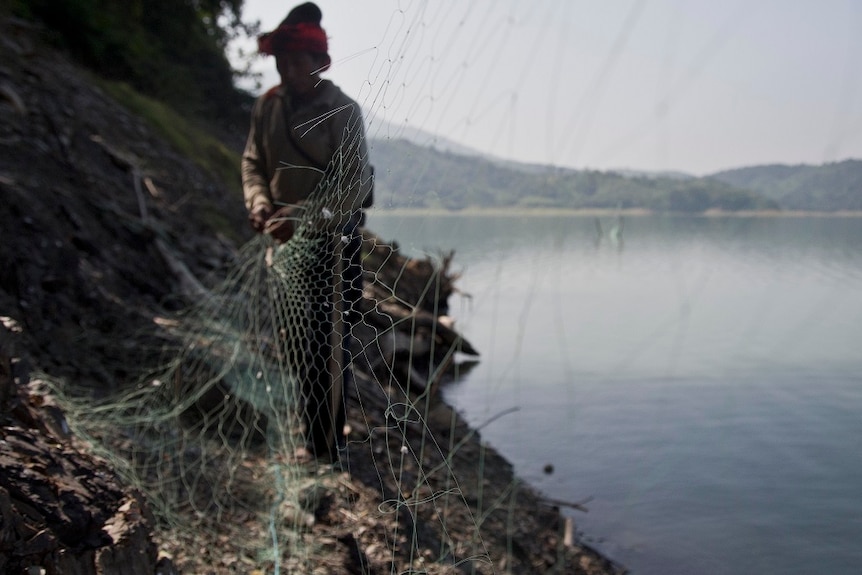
(419,169)
(380,129)
(416,176)
(669,174)
(828,187)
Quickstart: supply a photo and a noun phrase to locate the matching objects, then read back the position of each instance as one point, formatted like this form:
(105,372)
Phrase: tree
(173,50)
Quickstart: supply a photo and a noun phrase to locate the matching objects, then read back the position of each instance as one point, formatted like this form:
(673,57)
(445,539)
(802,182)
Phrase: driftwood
(404,335)
(576,505)
(8,93)
(418,283)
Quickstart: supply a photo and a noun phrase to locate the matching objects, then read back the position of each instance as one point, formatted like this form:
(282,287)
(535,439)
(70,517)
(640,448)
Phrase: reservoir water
(700,379)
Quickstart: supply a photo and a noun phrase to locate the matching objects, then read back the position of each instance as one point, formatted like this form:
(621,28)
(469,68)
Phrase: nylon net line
(234,435)
(230,436)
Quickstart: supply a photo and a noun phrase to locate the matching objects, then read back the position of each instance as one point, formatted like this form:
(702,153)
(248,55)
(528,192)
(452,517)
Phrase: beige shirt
(289,147)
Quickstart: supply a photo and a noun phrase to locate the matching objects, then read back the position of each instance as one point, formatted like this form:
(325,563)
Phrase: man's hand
(259,216)
(280,225)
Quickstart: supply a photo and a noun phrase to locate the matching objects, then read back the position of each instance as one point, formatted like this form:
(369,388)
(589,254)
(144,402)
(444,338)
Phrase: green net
(294,422)
(280,384)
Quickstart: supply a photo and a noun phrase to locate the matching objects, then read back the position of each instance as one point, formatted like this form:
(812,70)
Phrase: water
(701,379)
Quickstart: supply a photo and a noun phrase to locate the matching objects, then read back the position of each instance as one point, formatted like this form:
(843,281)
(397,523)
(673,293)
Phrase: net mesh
(238,437)
(241,438)
(294,425)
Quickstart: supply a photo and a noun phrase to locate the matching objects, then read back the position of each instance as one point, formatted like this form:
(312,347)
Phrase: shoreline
(596,212)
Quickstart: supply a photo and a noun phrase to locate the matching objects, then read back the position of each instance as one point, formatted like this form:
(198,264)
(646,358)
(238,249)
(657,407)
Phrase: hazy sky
(688,85)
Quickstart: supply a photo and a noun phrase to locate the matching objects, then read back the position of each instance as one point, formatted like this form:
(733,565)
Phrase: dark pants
(334,290)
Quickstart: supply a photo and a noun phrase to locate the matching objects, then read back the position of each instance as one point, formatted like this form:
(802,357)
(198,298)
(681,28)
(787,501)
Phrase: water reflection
(703,384)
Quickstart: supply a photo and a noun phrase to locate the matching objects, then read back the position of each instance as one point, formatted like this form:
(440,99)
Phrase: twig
(577,505)
(142,205)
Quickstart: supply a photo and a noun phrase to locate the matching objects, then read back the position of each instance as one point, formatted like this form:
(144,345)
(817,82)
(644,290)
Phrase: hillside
(828,187)
(412,176)
(414,172)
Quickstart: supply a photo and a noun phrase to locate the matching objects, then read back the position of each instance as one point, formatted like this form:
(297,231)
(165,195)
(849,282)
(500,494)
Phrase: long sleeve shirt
(290,147)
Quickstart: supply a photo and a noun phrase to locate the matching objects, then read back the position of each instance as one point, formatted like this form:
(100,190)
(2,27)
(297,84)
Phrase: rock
(61,509)
(55,508)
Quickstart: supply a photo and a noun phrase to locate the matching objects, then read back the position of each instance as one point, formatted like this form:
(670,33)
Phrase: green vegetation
(411,176)
(829,187)
(165,61)
(171,50)
(188,138)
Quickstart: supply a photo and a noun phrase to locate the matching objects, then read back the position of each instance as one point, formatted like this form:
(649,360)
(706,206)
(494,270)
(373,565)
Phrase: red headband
(300,37)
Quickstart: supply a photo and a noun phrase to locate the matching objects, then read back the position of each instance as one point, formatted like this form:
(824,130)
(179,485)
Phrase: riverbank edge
(599,212)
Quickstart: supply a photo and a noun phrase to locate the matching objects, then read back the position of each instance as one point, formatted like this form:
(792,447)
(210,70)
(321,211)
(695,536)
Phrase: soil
(103,227)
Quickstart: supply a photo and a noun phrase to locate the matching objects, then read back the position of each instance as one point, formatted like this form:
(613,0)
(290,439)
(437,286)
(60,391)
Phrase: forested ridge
(828,187)
(415,176)
(412,176)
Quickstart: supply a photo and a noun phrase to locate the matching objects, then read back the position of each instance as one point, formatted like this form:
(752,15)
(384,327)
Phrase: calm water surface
(699,378)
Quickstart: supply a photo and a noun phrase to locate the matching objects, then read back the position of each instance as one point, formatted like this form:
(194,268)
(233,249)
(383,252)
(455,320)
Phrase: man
(306,176)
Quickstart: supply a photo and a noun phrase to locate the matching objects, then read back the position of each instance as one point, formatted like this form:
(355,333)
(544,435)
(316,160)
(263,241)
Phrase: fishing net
(239,437)
(218,436)
(294,422)
(253,465)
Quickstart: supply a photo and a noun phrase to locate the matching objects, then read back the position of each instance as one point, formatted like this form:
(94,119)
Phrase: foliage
(411,176)
(172,50)
(183,134)
(829,187)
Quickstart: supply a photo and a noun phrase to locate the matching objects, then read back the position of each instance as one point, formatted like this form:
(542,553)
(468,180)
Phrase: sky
(694,86)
